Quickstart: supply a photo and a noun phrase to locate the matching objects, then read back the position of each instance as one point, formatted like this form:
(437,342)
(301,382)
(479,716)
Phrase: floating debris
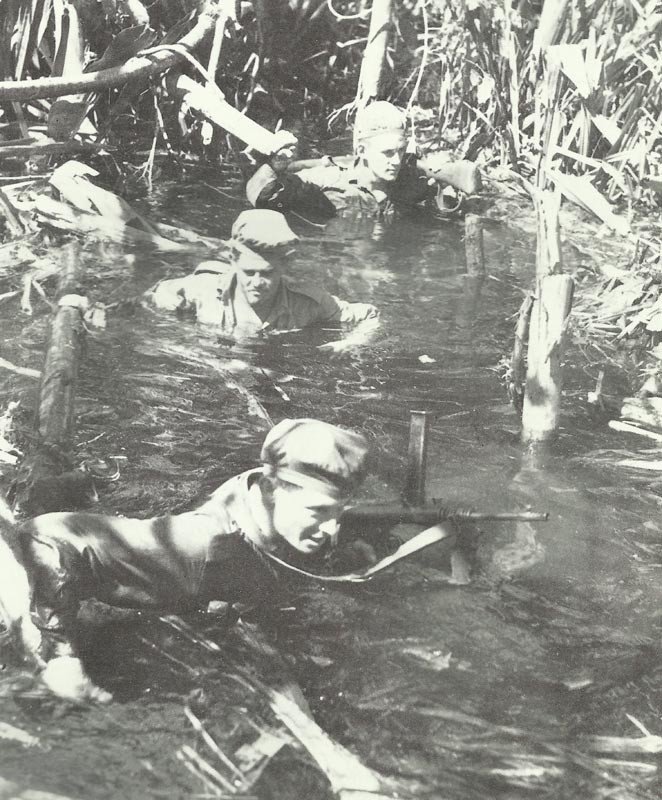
(15,734)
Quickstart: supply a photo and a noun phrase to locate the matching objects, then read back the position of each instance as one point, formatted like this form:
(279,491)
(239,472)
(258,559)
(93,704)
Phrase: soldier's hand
(284,150)
(337,347)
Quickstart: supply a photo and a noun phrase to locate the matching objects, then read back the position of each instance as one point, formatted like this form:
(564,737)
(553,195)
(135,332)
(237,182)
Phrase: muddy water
(493,689)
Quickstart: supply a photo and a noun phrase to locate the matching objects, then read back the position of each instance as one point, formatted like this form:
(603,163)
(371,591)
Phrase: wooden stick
(517,361)
(419,426)
(47,147)
(628,427)
(473,245)
(13,222)
(346,774)
(60,373)
(29,373)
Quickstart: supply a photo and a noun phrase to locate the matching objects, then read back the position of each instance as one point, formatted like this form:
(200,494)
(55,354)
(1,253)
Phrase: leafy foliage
(487,57)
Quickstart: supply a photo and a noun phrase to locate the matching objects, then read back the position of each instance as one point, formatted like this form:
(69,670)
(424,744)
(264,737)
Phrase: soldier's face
(306,519)
(383,155)
(257,279)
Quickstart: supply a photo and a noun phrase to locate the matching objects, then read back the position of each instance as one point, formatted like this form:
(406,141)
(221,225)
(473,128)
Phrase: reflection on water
(487,690)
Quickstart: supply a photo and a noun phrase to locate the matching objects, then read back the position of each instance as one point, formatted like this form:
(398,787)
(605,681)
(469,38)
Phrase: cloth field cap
(316,456)
(262,231)
(378,118)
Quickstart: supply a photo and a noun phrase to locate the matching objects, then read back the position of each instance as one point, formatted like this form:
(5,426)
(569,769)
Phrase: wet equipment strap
(394,515)
(424,539)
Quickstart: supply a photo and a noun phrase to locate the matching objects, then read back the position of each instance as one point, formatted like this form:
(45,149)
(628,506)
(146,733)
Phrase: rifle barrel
(429,515)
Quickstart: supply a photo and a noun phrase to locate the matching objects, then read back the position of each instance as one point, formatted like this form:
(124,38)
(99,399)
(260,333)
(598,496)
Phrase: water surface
(487,690)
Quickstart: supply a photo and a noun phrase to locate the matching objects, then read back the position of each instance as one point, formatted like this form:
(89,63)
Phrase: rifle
(394,514)
(413,511)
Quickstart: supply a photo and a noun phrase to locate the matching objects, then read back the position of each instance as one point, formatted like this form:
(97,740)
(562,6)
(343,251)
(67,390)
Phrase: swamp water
(490,690)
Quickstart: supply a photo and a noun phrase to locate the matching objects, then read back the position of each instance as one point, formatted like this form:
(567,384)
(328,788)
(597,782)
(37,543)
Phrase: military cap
(378,118)
(263,231)
(315,455)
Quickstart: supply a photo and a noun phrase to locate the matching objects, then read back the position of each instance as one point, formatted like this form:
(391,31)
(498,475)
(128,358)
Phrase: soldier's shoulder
(307,291)
(329,175)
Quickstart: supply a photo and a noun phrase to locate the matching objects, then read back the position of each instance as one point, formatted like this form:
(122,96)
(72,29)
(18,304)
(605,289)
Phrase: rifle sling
(422,540)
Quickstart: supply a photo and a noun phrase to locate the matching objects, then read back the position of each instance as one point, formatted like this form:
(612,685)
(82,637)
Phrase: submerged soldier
(382,177)
(219,551)
(251,294)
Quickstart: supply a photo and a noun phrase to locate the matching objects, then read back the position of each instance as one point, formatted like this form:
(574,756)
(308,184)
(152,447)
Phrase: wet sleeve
(333,309)
(182,294)
(287,192)
(169,295)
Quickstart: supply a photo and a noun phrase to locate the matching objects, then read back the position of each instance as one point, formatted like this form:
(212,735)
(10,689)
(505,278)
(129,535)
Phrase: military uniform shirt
(209,294)
(332,188)
(178,562)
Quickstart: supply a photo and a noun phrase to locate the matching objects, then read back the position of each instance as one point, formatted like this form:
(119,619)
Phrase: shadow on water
(487,690)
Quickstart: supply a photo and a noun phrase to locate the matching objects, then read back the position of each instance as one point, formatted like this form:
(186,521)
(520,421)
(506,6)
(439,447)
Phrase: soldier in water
(219,551)
(383,176)
(250,294)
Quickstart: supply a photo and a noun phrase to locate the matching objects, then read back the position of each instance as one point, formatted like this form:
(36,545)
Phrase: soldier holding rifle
(382,177)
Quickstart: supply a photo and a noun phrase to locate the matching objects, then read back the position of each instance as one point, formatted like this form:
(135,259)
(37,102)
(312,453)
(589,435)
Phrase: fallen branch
(137,67)
(29,373)
(346,774)
(11,217)
(47,147)
(628,427)
(626,744)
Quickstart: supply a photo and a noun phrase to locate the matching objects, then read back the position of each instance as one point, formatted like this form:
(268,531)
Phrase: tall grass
(486,62)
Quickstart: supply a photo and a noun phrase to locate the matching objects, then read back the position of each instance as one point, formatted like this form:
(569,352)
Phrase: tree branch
(137,67)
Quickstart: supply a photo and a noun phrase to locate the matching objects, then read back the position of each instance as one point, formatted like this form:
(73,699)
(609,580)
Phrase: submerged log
(46,481)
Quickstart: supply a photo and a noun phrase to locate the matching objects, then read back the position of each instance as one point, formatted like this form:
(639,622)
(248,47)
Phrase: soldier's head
(380,139)
(260,247)
(311,469)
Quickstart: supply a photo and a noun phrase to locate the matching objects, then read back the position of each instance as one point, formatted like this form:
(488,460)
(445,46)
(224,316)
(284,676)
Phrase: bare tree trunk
(374,57)
(544,379)
(553,297)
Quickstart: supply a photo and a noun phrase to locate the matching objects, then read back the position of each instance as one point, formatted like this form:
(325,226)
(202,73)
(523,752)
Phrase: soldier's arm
(181,294)
(362,317)
(287,192)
